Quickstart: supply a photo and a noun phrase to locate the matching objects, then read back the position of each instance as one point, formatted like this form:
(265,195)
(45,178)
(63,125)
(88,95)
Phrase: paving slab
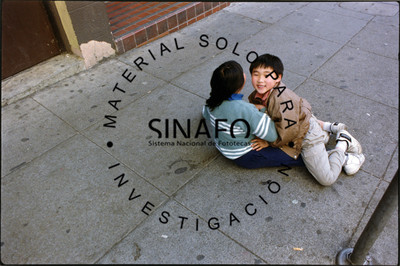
(279,217)
(169,57)
(66,207)
(215,28)
(325,25)
(388,240)
(365,74)
(28,130)
(384,241)
(167,161)
(265,12)
(393,3)
(178,236)
(336,7)
(300,53)
(393,166)
(370,206)
(39,76)
(365,121)
(373,8)
(389,20)
(83,100)
(378,38)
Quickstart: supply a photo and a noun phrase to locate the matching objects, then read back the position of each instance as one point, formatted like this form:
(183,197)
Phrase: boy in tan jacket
(300,134)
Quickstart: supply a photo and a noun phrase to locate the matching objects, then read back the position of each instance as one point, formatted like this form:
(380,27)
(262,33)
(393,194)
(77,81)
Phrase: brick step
(136,23)
(126,17)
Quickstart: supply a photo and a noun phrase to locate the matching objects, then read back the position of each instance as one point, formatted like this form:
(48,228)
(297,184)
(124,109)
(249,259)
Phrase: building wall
(85,30)
(90,21)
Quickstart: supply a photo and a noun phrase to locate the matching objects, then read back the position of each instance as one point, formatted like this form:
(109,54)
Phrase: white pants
(324,165)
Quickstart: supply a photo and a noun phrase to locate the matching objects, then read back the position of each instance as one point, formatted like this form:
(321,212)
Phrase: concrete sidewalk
(85,178)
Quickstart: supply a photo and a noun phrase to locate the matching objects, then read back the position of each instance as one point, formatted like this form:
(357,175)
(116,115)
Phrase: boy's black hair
(268,60)
(226,80)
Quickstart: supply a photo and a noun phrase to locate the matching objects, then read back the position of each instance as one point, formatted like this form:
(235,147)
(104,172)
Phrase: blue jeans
(267,157)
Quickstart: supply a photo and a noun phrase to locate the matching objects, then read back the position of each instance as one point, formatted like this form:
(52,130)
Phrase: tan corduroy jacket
(291,115)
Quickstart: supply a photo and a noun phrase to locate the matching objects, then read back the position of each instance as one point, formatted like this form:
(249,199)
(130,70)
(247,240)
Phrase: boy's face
(264,79)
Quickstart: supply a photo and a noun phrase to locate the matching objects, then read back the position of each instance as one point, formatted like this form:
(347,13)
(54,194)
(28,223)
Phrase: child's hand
(259,144)
(259,106)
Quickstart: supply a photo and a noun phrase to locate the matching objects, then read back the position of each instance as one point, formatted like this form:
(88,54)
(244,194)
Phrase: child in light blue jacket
(236,124)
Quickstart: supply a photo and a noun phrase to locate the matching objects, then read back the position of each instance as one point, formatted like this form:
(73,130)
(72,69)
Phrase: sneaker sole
(355,170)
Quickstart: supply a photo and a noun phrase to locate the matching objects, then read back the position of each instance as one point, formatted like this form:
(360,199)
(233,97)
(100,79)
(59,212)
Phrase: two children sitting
(283,130)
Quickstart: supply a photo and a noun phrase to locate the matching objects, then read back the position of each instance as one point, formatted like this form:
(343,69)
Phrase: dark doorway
(27,36)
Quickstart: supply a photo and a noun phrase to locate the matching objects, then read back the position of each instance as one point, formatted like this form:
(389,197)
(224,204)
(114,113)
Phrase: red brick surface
(134,24)
(172,22)
(129,42)
(152,31)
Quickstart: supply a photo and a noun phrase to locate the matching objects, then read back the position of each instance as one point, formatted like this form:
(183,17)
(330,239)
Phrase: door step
(134,24)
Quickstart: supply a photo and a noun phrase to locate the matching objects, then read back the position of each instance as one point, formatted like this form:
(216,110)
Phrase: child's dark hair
(225,81)
(267,60)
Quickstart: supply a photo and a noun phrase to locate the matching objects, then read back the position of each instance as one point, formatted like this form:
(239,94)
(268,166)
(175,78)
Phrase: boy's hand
(259,144)
(259,106)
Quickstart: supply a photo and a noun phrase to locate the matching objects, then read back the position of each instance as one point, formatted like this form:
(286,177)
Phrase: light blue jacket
(235,123)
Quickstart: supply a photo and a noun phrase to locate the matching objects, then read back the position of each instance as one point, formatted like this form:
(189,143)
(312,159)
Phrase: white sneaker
(336,127)
(353,146)
(353,163)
